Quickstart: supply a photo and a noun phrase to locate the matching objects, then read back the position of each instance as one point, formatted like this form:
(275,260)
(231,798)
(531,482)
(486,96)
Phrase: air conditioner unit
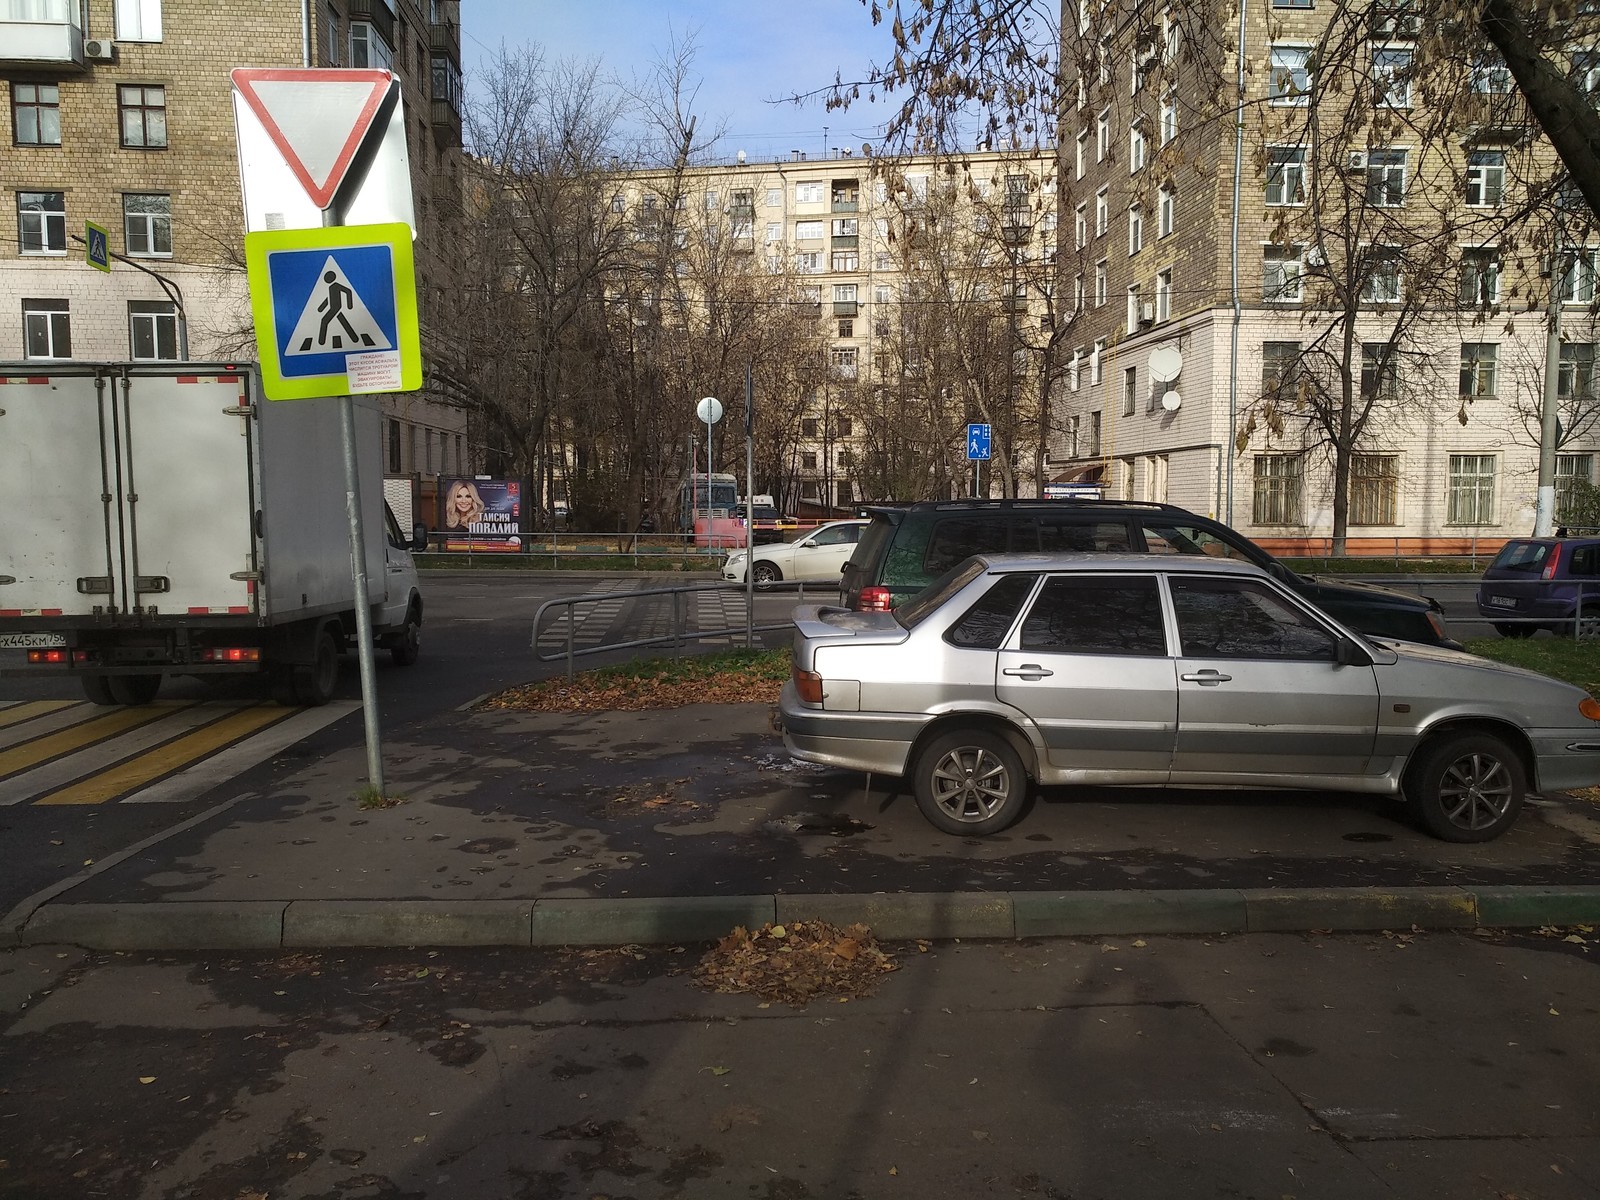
(100,50)
(1147,313)
(1358,160)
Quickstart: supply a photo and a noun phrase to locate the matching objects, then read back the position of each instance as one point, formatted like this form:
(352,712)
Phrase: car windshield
(914,611)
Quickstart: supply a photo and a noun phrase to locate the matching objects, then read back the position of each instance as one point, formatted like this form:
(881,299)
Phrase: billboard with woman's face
(481,514)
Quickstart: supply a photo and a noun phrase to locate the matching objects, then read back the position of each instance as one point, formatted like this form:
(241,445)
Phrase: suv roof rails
(1025,502)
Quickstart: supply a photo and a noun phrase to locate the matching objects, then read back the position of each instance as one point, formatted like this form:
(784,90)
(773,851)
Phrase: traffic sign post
(335,310)
(977,450)
(319,148)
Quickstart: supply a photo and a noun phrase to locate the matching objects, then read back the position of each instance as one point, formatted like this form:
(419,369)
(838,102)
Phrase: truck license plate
(1503,601)
(30,641)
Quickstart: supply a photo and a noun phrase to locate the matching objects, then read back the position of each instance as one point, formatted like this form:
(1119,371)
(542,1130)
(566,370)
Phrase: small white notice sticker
(377,372)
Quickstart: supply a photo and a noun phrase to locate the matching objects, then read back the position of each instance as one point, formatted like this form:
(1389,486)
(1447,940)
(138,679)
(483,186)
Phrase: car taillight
(1549,571)
(808,686)
(874,599)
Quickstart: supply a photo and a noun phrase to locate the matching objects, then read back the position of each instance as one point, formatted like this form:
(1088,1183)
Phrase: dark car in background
(906,547)
(1543,583)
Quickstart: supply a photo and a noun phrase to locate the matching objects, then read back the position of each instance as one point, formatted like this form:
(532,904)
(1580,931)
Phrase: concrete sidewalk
(524,829)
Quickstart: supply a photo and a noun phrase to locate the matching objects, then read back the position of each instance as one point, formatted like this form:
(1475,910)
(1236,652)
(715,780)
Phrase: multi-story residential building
(119,113)
(877,248)
(1383,367)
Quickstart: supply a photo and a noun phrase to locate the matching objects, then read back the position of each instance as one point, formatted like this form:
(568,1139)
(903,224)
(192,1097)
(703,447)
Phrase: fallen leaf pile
(796,964)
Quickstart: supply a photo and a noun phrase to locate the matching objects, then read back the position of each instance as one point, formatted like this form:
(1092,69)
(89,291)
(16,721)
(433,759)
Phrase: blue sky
(748,52)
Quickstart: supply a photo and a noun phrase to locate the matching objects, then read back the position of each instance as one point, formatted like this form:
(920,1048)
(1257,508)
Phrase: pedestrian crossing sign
(335,310)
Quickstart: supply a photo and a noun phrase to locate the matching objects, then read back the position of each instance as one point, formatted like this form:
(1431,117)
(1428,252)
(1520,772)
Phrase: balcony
(846,195)
(40,33)
(444,33)
(1496,117)
(846,241)
(844,308)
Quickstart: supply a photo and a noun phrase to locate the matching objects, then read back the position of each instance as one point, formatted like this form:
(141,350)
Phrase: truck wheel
(408,643)
(283,687)
(98,689)
(134,689)
(315,685)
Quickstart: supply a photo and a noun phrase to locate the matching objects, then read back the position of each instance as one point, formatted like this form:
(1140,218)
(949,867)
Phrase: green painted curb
(325,923)
(181,925)
(1354,909)
(645,921)
(1067,914)
(1532,906)
(898,916)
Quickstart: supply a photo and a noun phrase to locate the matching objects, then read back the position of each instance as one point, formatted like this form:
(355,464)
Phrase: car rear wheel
(766,574)
(1467,787)
(1507,630)
(970,781)
(98,689)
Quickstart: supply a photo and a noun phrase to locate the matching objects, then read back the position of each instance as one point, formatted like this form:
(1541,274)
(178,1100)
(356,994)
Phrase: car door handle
(1207,676)
(1027,671)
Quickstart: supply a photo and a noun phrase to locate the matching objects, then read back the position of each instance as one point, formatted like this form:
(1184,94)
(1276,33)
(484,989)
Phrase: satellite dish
(1165,363)
(1171,400)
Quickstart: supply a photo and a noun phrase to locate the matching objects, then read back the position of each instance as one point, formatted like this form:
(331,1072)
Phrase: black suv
(907,547)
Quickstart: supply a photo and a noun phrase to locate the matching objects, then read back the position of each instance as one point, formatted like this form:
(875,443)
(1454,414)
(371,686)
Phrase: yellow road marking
(162,760)
(30,754)
(18,713)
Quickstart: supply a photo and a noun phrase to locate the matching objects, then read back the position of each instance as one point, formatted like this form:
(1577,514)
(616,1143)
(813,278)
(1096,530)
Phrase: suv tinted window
(1062,535)
(984,625)
(956,538)
(1173,537)
(1111,615)
(1238,618)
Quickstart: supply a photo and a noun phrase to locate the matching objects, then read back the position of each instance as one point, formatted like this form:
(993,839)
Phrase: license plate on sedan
(31,641)
(1503,601)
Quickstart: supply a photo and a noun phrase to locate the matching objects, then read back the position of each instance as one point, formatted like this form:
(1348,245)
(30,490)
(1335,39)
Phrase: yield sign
(316,117)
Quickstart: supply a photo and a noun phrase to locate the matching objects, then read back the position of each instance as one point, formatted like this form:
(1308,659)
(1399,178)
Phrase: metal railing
(684,625)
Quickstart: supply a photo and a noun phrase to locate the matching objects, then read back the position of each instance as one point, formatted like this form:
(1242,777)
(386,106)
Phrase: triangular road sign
(335,319)
(316,116)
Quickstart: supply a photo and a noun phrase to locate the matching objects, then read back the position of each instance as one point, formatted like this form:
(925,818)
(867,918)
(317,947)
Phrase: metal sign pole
(749,508)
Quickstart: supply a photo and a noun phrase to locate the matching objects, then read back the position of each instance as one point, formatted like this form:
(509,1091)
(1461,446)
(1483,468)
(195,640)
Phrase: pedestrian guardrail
(557,623)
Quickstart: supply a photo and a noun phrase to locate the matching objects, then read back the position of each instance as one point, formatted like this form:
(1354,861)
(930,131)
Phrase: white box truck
(161,519)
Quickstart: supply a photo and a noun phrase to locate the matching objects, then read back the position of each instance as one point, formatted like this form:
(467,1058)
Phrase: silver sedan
(1155,670)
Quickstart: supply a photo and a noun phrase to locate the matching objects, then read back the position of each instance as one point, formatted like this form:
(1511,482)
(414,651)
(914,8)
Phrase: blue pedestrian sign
(335,310)
(96,246)
(978,441)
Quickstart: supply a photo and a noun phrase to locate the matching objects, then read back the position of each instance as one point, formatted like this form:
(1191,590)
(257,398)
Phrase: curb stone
(900,916)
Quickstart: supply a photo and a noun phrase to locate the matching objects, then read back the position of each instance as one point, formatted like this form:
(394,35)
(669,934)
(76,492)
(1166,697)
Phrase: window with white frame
(1586,71)
(1130,390)
(1078,154)
(1286,175)
(1392,69)
(1097,361)
(917,188)
(1380,371)
(808,193)
(1075,370)
(1574,475)
(1280,274)
(1471,494)
(1280,363)
(809,231)
(152,330)
(1134,301)
(1491,76)
(1382,282)
(1486,177)
(843,360)
(1164,294)
(774,197)
(845,260)
(710,201)
(138,20)
(1575,379)
(1277,486)
(1289,80)
(1077,293)
(1480,364)
(1080,226)
(1291,3)
(808,262)
(1480,276)
(36,114)
(46,329)
(1374,489)
(1577,276)
(1166,210)
(147,224)
(1100,284)
(1169,117)
(368,49)
(1102,211)
(42,222)
(1136,148)
(1102,140)
(619,202)
(1103,61)
(1135,229)
(774,232)
(331,48)
(845,227)
(1386,178)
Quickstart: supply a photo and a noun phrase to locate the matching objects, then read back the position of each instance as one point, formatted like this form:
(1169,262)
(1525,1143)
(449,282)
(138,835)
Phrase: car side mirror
(1347,654)
(419,537)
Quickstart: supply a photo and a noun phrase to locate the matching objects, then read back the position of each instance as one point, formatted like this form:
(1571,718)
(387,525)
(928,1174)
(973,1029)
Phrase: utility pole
(1544,520)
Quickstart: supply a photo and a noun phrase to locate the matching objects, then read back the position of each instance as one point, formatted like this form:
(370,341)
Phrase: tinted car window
(1171,537)
(1109,615)
(961,537)
(1065,536)
(1584,562)
(836,536)
(984,625)
(1521,556)
(1238,618)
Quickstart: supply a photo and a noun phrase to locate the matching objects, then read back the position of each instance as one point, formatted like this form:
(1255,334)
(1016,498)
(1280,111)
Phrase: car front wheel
(766,574)
(1467,787)
(1507,630)
(970,782)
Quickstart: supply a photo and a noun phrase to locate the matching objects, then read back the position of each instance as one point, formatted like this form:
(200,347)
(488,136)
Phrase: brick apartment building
(119,113)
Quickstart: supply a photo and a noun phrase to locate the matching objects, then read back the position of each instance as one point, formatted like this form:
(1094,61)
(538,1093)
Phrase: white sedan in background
(821,554)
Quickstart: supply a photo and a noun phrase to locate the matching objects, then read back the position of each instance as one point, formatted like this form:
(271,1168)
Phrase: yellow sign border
(260,245)
(88,246)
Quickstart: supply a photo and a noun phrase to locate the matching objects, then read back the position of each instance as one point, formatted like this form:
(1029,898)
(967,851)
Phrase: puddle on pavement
(831,824)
